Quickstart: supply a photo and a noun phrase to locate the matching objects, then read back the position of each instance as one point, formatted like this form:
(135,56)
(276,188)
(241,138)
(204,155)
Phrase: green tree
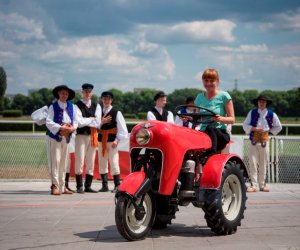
(178,97)
(146,99)
(239,103)
(38,99)
(293,97)
(22,102)
(130,103)
(249,96)
(118,99)
(3,85)
(280,102)
(6,103)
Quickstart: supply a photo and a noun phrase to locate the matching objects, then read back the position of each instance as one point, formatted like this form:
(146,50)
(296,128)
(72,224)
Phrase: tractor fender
(132,182)
(213,169)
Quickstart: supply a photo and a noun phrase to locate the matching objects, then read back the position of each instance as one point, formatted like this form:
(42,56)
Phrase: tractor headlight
(142,137)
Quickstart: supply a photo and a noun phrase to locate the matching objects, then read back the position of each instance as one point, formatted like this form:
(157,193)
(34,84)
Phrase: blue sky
(159,44)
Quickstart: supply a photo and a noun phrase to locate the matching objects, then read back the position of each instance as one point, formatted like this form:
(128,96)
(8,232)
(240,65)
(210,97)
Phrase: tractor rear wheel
(224,208)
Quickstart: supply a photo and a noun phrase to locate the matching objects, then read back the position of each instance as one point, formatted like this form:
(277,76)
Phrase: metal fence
(284,159)
(24,156)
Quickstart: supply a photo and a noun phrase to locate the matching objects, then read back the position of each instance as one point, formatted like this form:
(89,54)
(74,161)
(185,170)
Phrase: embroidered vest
(86,112)
(158,116)
(58,118)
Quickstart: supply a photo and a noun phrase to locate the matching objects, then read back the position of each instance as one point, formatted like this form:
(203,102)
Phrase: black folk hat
(107,94)
(87,86)
(65,87)
(262,97)
(159,95)
(189,99)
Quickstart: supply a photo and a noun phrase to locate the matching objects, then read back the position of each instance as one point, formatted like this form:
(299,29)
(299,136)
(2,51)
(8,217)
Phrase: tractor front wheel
(134,220)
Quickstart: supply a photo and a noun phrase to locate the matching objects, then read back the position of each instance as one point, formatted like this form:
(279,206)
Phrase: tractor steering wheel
(200,115)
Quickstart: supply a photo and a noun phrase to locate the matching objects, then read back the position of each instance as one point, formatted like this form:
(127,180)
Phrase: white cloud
(287,21)
(190,32)
(156,59)
(115,59)
(21,28)
(246,48)
(7,56)
(169,67)
(145,49)
(255,67)
(103,49)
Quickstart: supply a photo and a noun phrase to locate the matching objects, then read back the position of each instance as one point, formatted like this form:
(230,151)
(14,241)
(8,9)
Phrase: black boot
(67,183)
(104,183)
(79,185)
(88,183)
(116,182)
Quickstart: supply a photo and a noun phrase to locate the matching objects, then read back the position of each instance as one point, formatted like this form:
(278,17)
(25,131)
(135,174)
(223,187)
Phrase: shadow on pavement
(110,233)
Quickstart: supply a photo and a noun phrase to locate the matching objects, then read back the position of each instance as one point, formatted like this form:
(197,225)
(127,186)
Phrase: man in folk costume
(61,122)
(258,124)
(112,130)
(184,121)
(86,141)
(39,116)
(159,112)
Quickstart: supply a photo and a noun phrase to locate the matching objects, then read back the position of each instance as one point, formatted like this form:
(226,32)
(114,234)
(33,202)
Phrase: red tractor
(169,168)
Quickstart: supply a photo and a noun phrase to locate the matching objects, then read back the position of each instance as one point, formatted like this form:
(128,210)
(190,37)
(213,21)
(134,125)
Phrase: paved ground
(30,218)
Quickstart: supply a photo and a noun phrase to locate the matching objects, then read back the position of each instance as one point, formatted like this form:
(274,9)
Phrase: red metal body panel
(132,182)
(213,169)
(174,141)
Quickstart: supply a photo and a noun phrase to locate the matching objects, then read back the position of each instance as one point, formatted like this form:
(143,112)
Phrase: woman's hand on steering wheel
(216,118)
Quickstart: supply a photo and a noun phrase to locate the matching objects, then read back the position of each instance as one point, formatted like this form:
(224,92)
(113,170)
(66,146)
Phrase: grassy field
(23,158)
(23,151)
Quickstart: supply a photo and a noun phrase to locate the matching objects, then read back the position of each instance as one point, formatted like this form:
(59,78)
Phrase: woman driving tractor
(219,102)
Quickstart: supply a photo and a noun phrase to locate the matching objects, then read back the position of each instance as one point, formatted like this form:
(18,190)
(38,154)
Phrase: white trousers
(58,158)
(111,156)
(258,160)
(84,151)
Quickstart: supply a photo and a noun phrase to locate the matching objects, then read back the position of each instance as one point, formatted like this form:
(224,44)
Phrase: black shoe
(67,187)
(115,189)
(89,190)
(80,190)
(104,189)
